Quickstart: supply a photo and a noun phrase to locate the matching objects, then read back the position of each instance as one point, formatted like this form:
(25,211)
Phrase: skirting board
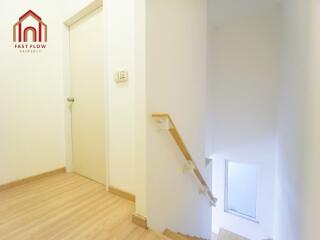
(123,194)
(140,221)
(31,179)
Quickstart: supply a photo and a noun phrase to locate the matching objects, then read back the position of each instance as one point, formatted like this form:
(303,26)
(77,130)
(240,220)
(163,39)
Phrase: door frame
(90,8)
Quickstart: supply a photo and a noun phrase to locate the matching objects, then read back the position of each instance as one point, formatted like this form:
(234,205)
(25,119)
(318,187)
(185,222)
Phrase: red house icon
(39,31)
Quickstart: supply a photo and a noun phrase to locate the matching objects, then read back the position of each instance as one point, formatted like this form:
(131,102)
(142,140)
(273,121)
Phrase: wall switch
(122,76)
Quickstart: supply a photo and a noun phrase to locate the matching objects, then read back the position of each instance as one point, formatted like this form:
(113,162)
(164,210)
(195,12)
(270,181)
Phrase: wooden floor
(67,206)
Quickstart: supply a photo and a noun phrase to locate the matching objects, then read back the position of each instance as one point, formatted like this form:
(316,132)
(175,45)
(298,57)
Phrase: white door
(87,86)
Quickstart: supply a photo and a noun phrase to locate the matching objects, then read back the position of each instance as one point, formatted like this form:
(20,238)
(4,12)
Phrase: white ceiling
(220,11)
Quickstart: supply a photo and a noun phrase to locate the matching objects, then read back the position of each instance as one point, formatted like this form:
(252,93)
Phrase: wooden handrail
(178,139)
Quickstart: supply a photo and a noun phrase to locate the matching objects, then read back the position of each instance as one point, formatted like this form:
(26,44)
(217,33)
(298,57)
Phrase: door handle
(70,99)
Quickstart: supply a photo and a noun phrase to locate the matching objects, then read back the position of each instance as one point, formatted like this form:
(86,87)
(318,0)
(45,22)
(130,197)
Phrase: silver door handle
(70,99)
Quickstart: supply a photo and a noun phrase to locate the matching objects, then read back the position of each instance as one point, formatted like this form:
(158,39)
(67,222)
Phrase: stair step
(179,236)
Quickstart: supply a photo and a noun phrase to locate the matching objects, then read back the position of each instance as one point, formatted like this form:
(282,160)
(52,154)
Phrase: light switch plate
(122,76)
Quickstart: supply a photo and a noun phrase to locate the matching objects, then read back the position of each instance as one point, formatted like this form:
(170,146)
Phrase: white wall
(243,64)
(292,125)
(120,56)
(31,96)
(298,157)
(176,83)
